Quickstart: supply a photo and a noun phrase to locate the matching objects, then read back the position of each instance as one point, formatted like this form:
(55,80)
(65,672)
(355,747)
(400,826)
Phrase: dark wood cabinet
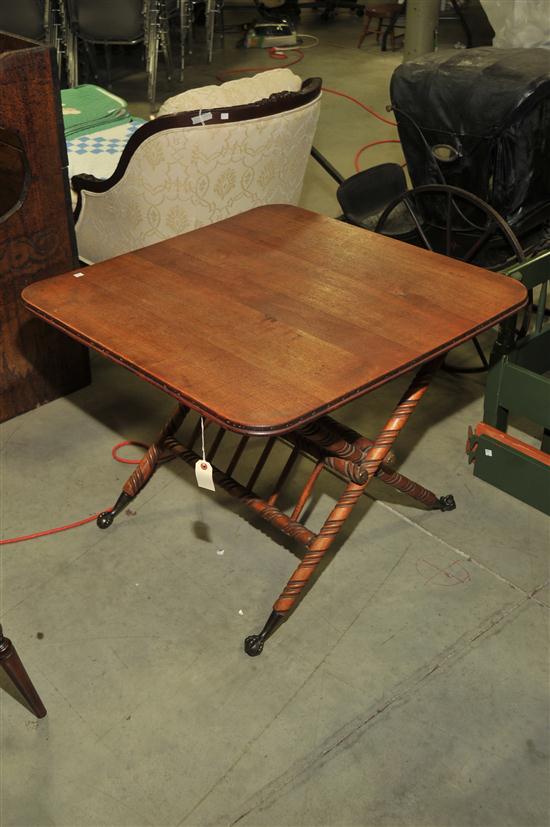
(37,362)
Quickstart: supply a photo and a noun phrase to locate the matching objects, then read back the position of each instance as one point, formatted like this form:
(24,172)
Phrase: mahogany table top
(271,318)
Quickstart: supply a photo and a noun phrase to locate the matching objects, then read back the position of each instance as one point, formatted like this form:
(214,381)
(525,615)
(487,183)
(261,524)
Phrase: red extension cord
(90,519)
(275,54)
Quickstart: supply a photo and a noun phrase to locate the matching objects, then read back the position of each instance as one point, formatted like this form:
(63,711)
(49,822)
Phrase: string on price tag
(203,469)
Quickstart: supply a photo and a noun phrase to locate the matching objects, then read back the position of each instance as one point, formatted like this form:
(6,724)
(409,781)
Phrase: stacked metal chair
(128,22)
(41,20)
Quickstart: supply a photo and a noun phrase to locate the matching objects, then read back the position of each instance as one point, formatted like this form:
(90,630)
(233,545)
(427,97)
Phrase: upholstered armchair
(190,168)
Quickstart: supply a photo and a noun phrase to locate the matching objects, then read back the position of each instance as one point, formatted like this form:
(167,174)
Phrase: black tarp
(493,107)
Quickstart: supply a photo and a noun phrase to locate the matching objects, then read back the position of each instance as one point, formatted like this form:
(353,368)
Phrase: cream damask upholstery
(183,171)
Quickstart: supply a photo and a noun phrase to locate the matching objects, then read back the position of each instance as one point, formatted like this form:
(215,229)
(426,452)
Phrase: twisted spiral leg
(370,466)
(379,451)
(145,470)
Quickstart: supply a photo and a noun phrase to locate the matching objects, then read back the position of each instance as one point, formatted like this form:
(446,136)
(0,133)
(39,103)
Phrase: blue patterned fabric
(98,144)
(98,154)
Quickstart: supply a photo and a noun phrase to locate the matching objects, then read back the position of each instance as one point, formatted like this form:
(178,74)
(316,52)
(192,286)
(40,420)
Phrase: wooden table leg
(368,469)
(145,470)
(344,450)
(10,662)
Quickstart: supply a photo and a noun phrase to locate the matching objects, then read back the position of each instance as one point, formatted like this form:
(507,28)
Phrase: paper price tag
(202,118)
(203,473)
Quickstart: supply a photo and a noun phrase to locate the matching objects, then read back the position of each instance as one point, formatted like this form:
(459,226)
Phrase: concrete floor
(409,688)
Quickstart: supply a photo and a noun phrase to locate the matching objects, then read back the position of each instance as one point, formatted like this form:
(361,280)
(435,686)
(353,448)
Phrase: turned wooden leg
(14,669)
(365,30)
(319,547)
(369,468)
(145,470)
(389,475)
(345,451)
(379,450)
(416,491)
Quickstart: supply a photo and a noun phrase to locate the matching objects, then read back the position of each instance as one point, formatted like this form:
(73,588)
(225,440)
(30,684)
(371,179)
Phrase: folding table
(265,323)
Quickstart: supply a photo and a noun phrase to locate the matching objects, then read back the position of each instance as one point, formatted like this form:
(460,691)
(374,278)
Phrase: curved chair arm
(276,104)
(82,181)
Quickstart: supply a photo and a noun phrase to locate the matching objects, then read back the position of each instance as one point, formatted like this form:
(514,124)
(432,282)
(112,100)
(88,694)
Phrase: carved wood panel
(37,363)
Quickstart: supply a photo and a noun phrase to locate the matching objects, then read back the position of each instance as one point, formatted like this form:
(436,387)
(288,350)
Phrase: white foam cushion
(233,92)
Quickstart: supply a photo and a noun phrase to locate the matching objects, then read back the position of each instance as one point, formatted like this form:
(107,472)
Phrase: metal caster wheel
(253,645)
(447,503)
(105,519)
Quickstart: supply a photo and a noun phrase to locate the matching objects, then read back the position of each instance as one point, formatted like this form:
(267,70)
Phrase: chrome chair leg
(213,8)
(152,40)
(184,27)
(165,44)
(72,58)
(210,27)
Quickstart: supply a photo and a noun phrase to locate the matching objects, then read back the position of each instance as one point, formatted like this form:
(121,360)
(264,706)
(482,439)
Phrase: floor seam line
(463,554)
(299,689)
(409,688)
